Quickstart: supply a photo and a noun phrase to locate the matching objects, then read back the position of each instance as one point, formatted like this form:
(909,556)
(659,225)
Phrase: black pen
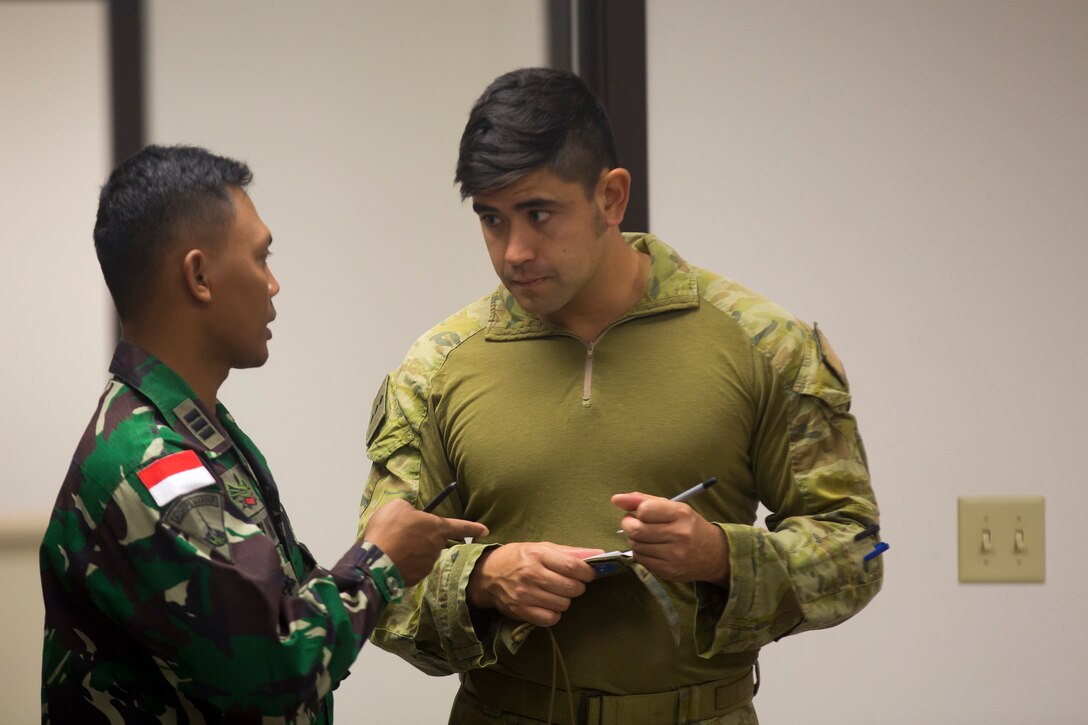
(697,488)
(440,497)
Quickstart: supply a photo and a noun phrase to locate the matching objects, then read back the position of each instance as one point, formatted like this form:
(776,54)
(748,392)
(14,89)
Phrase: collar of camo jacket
(672,286)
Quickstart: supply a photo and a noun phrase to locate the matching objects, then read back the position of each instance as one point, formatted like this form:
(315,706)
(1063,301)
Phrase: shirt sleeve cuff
(468,645)
(758,607)
(718,608)
(369,561)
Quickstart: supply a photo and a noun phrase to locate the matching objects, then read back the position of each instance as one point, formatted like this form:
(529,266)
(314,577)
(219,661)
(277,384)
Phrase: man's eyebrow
(535,203)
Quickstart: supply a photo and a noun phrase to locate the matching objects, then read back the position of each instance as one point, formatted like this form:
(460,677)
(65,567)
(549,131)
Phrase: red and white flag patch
(175,475)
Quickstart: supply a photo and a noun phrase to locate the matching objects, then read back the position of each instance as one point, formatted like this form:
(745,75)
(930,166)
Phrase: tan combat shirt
(703,377)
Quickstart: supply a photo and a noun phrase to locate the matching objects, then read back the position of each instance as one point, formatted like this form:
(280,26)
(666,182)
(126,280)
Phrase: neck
(178,351)
(623,281)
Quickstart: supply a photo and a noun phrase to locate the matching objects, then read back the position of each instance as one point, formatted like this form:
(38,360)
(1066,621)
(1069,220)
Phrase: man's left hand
(672,540)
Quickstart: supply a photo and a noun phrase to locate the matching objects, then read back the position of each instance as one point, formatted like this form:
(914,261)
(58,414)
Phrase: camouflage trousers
(469,710)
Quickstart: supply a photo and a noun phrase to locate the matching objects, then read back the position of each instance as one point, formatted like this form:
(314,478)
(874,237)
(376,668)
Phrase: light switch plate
(1002,539)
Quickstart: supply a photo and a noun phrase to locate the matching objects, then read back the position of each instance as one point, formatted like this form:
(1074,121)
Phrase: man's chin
(252,362)
(532,303)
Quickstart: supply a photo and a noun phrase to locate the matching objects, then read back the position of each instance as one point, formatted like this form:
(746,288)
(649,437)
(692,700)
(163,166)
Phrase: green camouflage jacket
(174,587)
(702,377)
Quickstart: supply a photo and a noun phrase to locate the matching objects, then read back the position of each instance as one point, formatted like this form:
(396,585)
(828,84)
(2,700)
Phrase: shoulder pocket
(389,429)
(822,374)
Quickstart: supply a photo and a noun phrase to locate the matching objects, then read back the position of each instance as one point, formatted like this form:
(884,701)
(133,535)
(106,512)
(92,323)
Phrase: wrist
(477,594)
(718,570)
(376,566)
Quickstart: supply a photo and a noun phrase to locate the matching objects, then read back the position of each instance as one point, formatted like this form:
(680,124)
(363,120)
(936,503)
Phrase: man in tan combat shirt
(604,363)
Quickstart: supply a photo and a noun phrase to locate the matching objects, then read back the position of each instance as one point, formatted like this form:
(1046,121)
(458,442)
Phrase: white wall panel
(56,322)
(914,176)
(54,155)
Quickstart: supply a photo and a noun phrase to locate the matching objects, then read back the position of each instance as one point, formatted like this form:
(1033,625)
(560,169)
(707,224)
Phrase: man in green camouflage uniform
(606,363)
(175,589)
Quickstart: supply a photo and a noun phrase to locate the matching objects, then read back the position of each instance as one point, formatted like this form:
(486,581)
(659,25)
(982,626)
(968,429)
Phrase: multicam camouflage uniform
(193,606)
(702,377)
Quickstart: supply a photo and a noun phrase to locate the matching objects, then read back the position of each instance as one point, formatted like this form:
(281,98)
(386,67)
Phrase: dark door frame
(604,42)
(127,100)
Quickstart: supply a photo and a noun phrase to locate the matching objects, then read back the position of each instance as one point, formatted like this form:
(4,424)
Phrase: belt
(528,699)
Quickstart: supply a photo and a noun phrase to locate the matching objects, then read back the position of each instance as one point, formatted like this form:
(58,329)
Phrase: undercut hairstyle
(149,203)
(532,118)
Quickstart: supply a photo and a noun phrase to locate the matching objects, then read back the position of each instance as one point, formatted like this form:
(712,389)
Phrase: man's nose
(273,284)
(520,245)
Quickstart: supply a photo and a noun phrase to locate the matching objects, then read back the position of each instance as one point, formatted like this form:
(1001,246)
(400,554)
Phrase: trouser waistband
(528,699)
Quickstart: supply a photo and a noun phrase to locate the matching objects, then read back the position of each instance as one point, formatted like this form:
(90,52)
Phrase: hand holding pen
(439,498)
(681,497)
(672,540)
(414,539)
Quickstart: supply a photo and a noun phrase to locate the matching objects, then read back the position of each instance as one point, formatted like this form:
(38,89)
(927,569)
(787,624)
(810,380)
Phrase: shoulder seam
(477,311)
(779,339)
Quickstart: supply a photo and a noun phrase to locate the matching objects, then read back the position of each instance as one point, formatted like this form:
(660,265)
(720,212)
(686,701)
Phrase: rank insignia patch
(198,424)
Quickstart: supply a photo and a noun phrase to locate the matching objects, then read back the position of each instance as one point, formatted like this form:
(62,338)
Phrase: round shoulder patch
(199,516)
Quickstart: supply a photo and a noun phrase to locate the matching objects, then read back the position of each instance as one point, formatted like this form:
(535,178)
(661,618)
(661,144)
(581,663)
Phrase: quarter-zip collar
(672,286)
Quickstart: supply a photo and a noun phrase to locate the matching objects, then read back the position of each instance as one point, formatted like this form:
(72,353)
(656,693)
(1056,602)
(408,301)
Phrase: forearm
(810,574)
(809,571)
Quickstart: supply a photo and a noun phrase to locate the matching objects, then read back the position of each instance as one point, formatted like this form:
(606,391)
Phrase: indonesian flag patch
(175,475)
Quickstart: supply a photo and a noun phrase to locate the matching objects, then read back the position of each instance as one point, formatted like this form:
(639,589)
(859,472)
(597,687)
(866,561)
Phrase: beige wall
(54,152)
(914,176)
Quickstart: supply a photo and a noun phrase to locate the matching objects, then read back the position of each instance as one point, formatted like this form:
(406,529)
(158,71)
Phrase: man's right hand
(530,582)
(413,539)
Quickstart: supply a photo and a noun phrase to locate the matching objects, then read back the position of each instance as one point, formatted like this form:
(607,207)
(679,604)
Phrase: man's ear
(195,270)
(615,190)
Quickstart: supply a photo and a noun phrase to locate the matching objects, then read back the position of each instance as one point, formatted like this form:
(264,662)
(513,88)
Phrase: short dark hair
(529,118)
(148,201)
